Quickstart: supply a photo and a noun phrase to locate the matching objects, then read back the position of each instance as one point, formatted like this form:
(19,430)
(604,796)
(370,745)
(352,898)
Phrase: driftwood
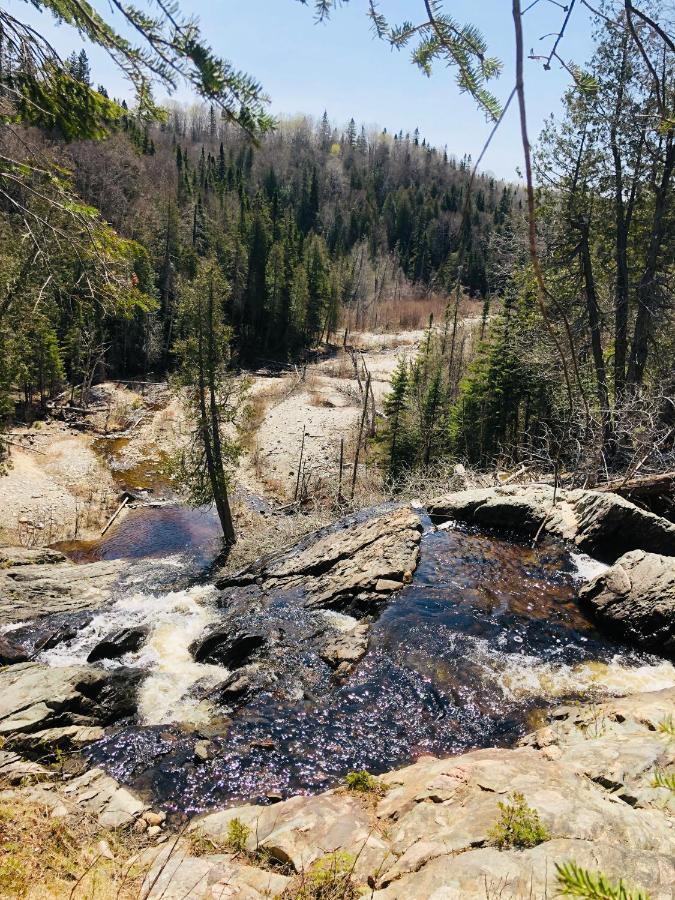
(22,446)
(116,514)
(642,486)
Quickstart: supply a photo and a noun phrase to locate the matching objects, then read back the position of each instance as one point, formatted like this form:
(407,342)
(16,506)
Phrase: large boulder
(350,568)
(11,653)
(118,643)
(609,525)
(598,522)
(635,600)
(222,647)
(35,697)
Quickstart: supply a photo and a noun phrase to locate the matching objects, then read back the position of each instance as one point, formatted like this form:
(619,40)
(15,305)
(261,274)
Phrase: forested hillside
(312,227)
(576,370)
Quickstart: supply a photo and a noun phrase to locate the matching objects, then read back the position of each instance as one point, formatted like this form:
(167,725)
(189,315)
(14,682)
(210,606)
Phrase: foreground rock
(93,792)
(600,523)
(635,600)
(351,568)
(589,774)
(39,583)
(34,697)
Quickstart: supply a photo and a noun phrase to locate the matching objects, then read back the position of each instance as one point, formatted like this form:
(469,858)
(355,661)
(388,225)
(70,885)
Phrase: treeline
(578,377)
(310,227)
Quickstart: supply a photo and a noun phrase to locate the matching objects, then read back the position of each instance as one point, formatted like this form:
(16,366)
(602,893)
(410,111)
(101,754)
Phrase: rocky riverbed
(368,645)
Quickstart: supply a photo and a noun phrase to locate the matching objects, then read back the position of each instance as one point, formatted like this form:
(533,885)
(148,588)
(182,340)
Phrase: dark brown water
(152,533)
(488,633)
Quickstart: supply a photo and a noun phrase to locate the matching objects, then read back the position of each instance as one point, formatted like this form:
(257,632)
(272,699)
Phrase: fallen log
(640,486)
(116,514)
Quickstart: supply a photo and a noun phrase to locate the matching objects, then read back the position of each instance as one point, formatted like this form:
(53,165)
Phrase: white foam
(586,567)
(175,620)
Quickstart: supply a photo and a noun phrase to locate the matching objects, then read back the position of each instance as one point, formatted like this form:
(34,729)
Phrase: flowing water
(487,635)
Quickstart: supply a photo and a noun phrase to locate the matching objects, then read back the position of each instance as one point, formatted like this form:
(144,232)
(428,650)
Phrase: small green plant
(664,780)
(200,845)
(363,782)
(237,835)
(574,881)
(329,878)
(519,825)
(59,759)
(667,726)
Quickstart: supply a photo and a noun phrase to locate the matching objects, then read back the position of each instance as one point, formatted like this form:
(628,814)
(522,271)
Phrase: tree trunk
(211,437)
(647,286)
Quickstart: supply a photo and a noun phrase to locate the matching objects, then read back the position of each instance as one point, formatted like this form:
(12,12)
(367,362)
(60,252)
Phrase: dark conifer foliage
(294,222)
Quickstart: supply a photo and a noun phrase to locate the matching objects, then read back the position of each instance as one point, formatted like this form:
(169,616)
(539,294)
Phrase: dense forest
(110,216)
(575,372)
(311,227)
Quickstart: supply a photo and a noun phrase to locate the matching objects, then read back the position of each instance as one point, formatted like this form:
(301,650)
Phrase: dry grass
(44,857)
(411,312)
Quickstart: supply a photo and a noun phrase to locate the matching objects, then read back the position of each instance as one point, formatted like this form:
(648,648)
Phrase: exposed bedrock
(352,567)
(35,697)
(598,522)
(589,775)
(41,582)
(635,600)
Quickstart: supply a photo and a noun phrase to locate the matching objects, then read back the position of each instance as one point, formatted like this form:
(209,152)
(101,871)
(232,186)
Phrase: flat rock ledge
(598,522)
(42,582)
(589,774)
(635,600)
(350,568)
(37,698)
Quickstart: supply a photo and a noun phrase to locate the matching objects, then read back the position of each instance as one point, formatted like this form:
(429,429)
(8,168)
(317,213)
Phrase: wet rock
(11,653)
(635,600)
(223,648)
(30,591)
(345,650)
(118,643)
(34,697)
(429,836)
(50,631)
(203,750)
(599,522)
(236,687)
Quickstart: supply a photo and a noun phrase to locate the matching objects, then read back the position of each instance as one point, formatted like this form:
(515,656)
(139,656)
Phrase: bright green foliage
(518,826)
(664,780)
(362,782)
(573,881)
(667,726)
(170,48)
(329,878)
(237,835)
(213,396)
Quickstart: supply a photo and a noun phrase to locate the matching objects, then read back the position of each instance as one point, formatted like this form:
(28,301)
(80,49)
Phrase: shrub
(329,878)
(664,780)
(519,825)
(667,726)
(237,835)
(574,881)
(362,782)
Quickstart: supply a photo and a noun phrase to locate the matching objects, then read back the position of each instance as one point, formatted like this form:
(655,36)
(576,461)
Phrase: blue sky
(339,66)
